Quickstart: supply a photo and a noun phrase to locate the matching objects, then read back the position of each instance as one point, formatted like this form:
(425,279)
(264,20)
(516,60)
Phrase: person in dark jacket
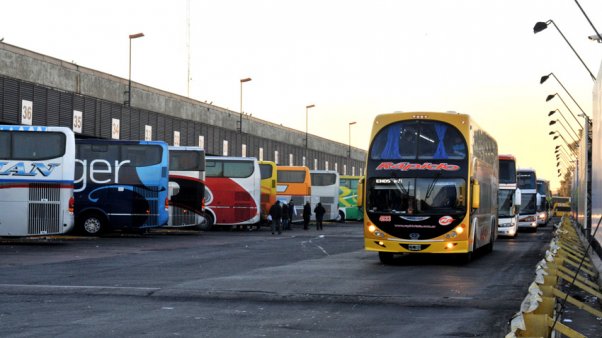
(276,214)
(306,215)
(285,217)
(319,211)
(291,213)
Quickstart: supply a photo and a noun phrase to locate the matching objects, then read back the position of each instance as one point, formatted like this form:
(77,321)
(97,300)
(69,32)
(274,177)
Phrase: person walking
(276,214)
(291,213)
(306,215)
(285,217)
(319,211)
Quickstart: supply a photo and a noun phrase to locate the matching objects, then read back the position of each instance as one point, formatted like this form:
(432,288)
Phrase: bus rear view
(36,180)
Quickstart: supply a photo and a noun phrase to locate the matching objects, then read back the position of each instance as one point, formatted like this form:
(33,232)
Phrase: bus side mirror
(517,198)
(476,195)
(360,193)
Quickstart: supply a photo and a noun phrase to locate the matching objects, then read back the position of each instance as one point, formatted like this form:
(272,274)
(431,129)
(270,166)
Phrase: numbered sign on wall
(176,138)
(202,142)
(26,112)
(77,121)
(115,129)
(148,133)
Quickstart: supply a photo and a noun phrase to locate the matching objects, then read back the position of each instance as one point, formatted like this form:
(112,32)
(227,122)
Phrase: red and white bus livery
(232,190)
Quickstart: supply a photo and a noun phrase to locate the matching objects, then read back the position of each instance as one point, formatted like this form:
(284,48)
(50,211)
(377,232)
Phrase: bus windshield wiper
(431,186)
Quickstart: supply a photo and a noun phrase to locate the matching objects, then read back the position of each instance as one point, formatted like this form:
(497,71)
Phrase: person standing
(306,215)
(276,213)
(285,217)
(319,211)
(291,213)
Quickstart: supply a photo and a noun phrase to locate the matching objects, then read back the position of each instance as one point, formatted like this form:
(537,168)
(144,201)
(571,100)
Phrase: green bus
(348,209)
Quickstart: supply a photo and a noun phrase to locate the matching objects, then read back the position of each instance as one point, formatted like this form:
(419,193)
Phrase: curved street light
(540,26)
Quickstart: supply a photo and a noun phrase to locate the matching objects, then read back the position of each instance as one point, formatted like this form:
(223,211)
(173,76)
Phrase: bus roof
(176,148)
(229,158)
(507,157)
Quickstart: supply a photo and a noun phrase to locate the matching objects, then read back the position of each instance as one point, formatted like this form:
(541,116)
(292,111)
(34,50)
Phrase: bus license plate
(414,247)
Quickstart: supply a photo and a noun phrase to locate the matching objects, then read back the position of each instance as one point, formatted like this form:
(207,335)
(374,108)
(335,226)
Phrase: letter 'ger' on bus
(95,168)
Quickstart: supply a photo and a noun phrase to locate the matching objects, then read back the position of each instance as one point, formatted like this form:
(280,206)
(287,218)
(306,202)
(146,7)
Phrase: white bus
(232,190)
(325,189)
(527,183)
(186,187)
(509,197)
(36,180)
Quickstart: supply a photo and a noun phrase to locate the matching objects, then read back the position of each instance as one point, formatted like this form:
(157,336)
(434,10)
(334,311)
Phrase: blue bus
(120,185)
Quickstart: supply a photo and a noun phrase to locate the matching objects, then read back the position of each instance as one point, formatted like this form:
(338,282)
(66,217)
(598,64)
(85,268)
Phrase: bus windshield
(528,205)
(424,140)
(507,172)
(526,180)
(504,203)
(416,195)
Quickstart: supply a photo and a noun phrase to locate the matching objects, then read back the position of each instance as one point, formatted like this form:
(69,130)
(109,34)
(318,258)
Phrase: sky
(352,59)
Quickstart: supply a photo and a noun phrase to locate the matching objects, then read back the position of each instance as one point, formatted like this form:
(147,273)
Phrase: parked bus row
(435,184)
(91,186)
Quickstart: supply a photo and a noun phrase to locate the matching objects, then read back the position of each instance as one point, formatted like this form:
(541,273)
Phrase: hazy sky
(352,59)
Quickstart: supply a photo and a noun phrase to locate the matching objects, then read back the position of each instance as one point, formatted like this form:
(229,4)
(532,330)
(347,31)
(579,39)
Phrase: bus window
(440,141)
(235,169)
(38,146)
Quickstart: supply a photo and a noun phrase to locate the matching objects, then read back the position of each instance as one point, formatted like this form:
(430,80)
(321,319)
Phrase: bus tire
(386,257)
(92,224)
(341,218)
(210,221)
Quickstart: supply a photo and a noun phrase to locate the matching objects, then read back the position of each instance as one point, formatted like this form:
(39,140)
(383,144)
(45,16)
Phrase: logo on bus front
(405,166)
(446,220)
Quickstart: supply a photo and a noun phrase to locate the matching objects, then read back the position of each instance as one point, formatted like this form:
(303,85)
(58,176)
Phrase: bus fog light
(450,246)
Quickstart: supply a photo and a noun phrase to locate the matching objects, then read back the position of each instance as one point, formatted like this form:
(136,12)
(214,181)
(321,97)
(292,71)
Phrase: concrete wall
(41,69)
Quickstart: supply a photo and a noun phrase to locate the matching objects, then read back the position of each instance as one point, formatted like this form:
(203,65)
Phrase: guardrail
(566,266)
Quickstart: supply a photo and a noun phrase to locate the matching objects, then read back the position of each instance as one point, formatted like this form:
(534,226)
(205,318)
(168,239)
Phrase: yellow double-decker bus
(294,184)
(269,176)
(431,186)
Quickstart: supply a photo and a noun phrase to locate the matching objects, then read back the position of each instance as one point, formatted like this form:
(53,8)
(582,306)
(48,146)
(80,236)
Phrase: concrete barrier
(567,266)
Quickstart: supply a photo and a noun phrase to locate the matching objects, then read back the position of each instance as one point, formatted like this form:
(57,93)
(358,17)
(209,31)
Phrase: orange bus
(269,173)
(294,183)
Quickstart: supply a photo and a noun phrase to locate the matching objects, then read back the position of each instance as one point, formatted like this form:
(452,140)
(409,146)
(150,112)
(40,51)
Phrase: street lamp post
(240,117)
(306,124)
(350,124)
(551,96)
(129,100)
(545,78)
(553,122)
(539,26)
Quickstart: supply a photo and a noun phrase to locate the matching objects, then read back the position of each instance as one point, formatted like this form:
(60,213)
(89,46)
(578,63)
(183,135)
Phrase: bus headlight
(459,229)
(371,228)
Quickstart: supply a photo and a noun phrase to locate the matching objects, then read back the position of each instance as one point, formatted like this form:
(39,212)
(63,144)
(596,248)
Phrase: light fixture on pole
(306,124)
(557,134)
(596,37)
(545,78)
(551,96)
(240,115)
(543,25)
(552,112)
(350,124)
(129,100)
(553,122)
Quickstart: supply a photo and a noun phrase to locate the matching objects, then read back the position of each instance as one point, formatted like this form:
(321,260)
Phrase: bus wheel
(210,221)
(92,224)
(341,217)
(385,257)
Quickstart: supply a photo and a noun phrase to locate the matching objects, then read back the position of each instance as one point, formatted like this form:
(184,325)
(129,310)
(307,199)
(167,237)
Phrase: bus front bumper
(400,246)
